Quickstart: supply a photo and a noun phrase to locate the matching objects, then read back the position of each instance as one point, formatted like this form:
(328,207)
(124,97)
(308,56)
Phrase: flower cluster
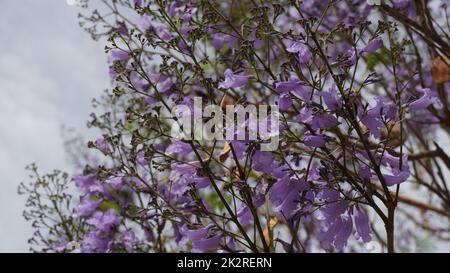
(355,99)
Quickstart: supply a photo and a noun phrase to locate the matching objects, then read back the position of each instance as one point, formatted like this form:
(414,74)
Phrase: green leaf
(373,59)
(107,205)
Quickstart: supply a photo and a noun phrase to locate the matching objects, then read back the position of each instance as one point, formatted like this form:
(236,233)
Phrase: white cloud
(50,70)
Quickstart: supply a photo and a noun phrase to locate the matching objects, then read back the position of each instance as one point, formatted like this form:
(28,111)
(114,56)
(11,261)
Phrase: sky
(50,69)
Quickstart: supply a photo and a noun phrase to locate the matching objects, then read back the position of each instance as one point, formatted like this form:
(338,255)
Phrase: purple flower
(220,39)
(183,45)
(424,101)
(258,200)
(316,141)
(164,84)
(365,173)
(233,80)
(373,124)
(138,82)
(141,160)
(288,86)
(240,147)
(194,234)
(86,207)
(328,195)
(244,214)
(137,183)
(116,183)
(187,14)
(337,233)
(302,50)
(85,182)
(323,121)
(305,92)
(257,43)
(285,102)
(319,120)
(179,147)
(60,245)
(183,175)
(95,241)
(163,34)
(174,9)
(331,99)
(102,145)
(137,2)
(371,119)
(362,226)
(112,74)
(306,115)
(144,23)
(295,47)
(129,240)
(263,162)
(345,230)
(200,238)
(386,107)
(373,45)
(105,221)
(351,57)
(122,29)
(117,55)
(285,195)
(334,209)
(206,244)
(401,4)
(399,173)
(202,182)
(397,178)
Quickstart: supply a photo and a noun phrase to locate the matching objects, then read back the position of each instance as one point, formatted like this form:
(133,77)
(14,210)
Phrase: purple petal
(207,244)
(263,162)
(331,99)
(194,234)
(285,102)
(315,141)
(373,124)
(144,23)
(398,178)
(290,85)
(179,147)
(129,240)
(362,226)
(373,45)
(344,232)
(423,102)
(86,207)
(117,55)
(324,121)
(302,50)
(233,81)
(84,182)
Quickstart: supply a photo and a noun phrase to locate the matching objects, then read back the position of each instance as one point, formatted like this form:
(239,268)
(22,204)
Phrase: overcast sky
(50,69)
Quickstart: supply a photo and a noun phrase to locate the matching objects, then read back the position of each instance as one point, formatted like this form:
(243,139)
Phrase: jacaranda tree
(358,98)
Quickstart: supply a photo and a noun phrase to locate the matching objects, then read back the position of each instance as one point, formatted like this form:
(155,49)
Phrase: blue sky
(50,69)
